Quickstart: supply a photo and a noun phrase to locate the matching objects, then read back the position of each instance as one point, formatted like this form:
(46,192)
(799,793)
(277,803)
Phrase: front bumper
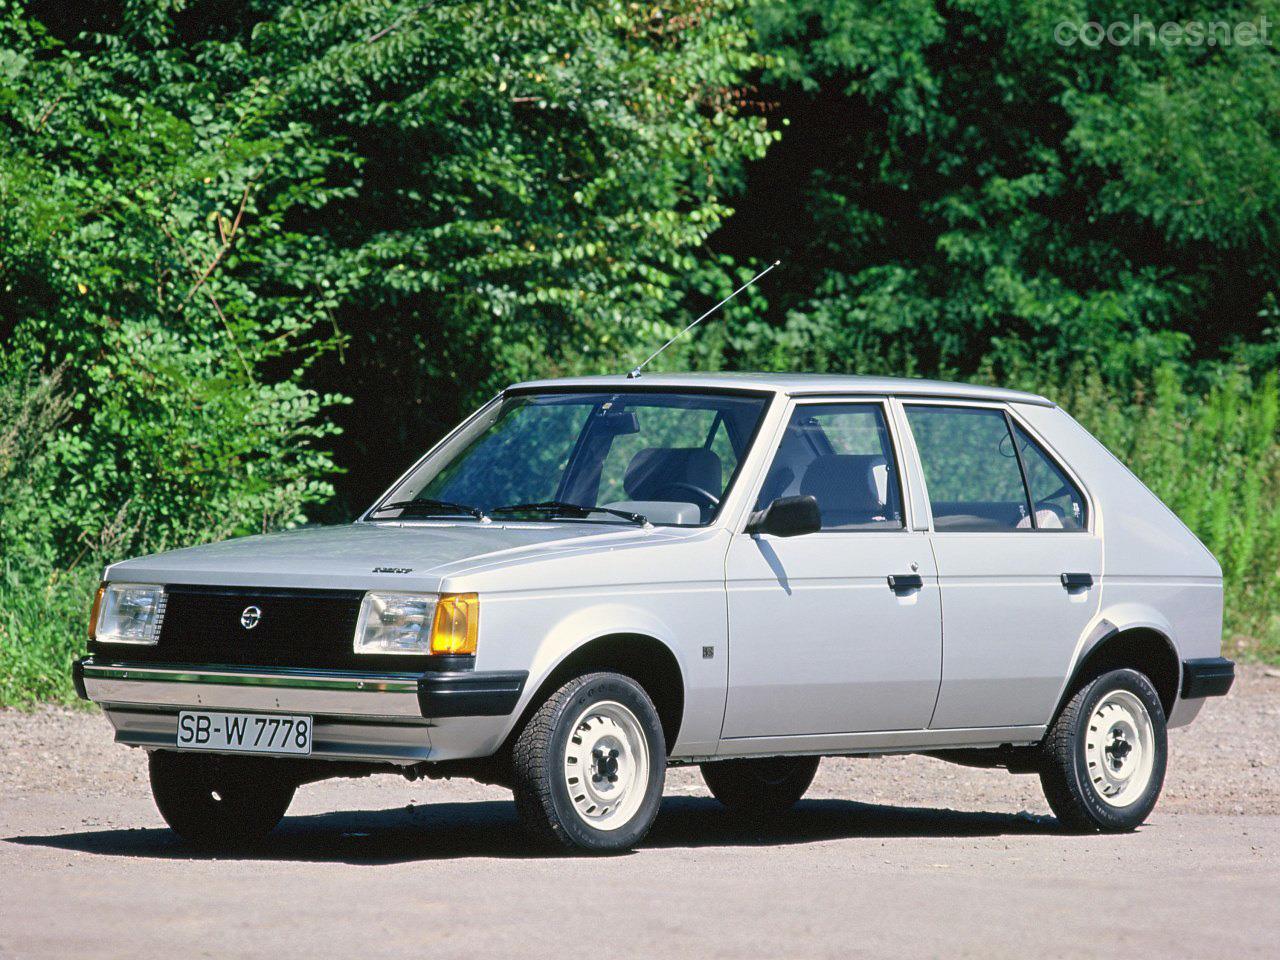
(387,717)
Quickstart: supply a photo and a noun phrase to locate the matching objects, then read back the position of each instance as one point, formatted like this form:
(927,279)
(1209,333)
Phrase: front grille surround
(302,628)
(161,606)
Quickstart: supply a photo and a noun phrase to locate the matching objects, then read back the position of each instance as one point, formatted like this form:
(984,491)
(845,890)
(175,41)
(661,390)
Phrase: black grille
(296,628)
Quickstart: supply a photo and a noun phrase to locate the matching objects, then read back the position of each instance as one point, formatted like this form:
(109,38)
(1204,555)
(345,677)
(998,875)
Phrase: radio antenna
(636,372)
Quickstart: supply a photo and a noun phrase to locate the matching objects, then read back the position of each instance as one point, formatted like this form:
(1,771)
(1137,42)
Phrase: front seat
(674,474)
(846,488)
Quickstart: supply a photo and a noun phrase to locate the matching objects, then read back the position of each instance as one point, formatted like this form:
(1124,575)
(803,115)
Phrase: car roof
(792,384)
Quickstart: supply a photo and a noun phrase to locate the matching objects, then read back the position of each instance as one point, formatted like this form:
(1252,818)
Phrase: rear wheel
(589,766)
(759,787)
(1105,755)
(219,802)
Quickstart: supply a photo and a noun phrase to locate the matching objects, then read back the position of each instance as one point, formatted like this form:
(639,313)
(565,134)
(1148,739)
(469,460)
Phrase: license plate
(244,732)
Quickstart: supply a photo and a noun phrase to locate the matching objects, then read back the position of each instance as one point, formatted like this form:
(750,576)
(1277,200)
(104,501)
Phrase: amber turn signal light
(456,625)
(93,612)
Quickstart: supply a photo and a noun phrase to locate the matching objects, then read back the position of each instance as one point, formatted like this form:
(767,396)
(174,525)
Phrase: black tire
(219,803)
(540,758)
(1069,768)
(761,787)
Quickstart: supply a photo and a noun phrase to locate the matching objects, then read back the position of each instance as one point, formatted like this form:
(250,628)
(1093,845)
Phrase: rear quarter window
(1058,502)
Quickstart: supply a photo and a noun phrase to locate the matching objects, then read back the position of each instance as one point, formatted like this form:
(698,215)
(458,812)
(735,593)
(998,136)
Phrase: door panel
(1010,627)
(1009,523)
(820,644)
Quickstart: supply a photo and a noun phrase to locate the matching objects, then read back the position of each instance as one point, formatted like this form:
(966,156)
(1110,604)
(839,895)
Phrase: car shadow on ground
(489,828)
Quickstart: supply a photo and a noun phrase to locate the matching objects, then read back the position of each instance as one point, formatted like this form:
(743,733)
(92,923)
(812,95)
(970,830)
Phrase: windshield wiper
(570,509)
(436,506)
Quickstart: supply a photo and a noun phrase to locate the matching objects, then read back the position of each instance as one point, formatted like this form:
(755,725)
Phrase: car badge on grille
(250,617)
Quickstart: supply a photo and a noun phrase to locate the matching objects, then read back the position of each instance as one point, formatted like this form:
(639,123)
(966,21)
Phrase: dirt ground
(892,856)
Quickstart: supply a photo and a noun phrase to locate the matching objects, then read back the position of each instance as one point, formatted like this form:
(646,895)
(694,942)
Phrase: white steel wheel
(1120,748)
(587,767)
(606,765)
(1104,757)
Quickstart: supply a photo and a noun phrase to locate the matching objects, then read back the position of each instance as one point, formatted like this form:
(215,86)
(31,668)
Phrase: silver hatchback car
(589,580)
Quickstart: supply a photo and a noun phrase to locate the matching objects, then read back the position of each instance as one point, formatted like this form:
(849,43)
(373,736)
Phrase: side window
(1059,504)
(971,468)
(839,453)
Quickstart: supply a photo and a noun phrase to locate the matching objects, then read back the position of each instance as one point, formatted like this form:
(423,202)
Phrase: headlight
(418,623)
(128,613)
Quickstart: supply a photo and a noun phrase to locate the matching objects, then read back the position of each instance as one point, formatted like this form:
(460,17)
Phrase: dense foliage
(254,255)
(955,188)
(218,218)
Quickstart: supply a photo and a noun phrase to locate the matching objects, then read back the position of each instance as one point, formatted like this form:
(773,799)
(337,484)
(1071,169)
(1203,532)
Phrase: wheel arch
(1140,646)
(642,657)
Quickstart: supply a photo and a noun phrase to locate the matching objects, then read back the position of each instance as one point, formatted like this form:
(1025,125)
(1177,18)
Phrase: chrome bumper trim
(333,693)
(255,678)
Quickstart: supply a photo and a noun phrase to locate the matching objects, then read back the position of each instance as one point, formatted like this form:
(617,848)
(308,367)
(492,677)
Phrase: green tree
(956,186)
(218,221)
(524,186)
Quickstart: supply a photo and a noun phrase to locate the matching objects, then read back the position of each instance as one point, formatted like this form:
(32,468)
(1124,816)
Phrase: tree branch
(228,238)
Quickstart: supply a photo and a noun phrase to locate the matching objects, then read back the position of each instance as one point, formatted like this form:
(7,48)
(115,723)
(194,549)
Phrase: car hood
(366,556)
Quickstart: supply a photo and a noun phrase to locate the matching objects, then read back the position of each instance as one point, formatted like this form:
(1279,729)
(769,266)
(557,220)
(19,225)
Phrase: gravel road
(894,856)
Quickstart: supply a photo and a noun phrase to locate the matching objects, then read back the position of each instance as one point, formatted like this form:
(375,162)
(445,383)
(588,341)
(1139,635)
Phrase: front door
(819,641)
(1019,567)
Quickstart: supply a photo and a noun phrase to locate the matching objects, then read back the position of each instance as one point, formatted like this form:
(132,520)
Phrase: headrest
(652,472)
(847,487)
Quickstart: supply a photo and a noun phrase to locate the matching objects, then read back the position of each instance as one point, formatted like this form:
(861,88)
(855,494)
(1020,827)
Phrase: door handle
(1077,581)
(905,581)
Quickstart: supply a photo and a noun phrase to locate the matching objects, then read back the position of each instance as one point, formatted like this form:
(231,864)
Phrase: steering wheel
(709,499)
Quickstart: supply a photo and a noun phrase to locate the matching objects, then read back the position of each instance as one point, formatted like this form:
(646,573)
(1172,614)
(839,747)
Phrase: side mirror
(787,517)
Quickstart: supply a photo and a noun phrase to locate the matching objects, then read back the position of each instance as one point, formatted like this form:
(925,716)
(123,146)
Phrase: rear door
(1018,564)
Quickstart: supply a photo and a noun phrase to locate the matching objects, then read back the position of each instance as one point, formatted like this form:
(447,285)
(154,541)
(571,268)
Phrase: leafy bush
(954,186)
(134,226)
(218,220)
(156,455)
(38,627)
(1215,460)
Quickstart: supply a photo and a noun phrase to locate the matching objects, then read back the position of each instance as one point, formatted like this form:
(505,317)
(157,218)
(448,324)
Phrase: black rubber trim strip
(77,677)
(470,694)
(1207,677)
(445,663)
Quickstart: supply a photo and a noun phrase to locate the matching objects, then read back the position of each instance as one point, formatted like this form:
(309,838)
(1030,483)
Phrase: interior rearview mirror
(620,424)
(787,517)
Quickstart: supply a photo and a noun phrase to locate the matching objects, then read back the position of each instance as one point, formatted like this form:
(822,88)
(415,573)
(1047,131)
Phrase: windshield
(665,458)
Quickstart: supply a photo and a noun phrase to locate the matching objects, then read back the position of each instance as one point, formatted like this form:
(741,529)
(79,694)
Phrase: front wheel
(589,766)
(760,787)
(219,802)
(1104,756)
